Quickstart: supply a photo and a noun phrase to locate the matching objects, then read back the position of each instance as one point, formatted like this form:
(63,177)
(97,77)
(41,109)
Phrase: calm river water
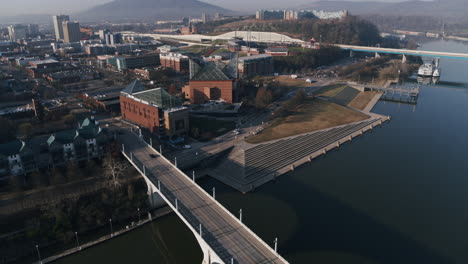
(396,195)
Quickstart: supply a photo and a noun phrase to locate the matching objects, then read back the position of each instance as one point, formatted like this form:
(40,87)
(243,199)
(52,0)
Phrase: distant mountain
(448,9)
(149,10)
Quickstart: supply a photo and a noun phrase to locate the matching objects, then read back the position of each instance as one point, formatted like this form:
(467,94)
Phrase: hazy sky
(15,7)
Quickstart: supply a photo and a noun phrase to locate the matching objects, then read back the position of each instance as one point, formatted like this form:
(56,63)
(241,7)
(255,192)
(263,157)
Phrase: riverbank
(80,247)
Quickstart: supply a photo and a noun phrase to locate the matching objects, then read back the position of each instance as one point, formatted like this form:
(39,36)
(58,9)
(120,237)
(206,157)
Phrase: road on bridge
(226,235)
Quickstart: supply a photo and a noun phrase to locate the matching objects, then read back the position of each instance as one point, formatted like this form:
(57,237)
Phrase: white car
(187,147)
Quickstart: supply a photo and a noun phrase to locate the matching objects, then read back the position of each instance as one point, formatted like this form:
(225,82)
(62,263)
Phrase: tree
(264,98)
(7,131)
(113,171)
(69,120)
(173,90)
(195,132)
(25,130)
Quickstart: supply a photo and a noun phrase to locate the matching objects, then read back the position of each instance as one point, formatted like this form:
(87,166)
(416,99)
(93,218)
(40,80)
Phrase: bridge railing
(183,210)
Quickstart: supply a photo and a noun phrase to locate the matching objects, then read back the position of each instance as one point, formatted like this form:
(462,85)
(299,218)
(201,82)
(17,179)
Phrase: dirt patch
(362,100)
(311,116)
(331,90)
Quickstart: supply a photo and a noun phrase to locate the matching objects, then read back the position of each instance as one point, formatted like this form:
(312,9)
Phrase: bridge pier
(404,59)
(351,54)
(377,55)
(155,200)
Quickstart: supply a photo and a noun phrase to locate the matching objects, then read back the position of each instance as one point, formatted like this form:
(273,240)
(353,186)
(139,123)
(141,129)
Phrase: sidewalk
(157,214)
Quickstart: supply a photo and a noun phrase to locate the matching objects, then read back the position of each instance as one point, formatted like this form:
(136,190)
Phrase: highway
(224,233)
(404,52)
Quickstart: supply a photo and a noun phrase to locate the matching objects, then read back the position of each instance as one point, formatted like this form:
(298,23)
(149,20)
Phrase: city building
(299,14)
(33,30)
(255,65)
(112,39)
(190,29)
(71,32)
(126,62)
(107,99)
(212,81)
(86,142)
(277,51)
(17,32)
(269,14)
(58,26)
(155,110)
(175,61)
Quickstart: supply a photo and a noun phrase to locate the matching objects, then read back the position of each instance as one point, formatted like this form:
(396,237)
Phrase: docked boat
(437,69)
(426,70)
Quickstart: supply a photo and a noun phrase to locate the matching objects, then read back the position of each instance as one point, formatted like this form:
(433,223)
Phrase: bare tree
(114,170)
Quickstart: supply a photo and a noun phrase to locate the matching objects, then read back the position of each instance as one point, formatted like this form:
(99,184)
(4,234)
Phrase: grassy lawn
(362,100)
(331,90)
(313,115)
(209,128)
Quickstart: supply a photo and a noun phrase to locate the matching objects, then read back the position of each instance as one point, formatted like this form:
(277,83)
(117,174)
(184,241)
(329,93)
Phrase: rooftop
(158,97)
(210,72)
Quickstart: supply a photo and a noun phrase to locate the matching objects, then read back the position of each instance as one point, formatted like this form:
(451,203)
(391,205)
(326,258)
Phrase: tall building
(17,32)
(71,31)
(102,34)
(113,38)
(33,30)
(58,26)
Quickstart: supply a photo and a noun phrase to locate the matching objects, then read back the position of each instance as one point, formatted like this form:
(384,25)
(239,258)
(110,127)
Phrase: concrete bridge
(404,52)
(223,238)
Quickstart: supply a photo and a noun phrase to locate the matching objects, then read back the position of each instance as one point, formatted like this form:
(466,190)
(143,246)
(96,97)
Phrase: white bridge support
(404,59)
(156,197)
(377,55)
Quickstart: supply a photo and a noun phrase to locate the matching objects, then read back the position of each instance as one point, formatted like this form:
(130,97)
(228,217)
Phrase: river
(395,195)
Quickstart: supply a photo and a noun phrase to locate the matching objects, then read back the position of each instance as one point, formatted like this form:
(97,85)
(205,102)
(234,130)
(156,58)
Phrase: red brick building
(175,61)
(155,110)
(210,83)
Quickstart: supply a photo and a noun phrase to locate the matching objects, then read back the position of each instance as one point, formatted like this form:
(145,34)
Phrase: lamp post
(139,219)
(240,215)
(112,232)
(77,241)
(39,254)
(276,244)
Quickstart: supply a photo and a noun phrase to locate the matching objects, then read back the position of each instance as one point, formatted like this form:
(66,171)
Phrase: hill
(149,10)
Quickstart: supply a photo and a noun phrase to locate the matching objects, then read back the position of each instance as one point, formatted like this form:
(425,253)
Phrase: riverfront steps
(222,237)
(249,167)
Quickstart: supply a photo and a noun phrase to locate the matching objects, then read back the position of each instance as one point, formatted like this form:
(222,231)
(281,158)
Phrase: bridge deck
(404,51)
(220,229)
